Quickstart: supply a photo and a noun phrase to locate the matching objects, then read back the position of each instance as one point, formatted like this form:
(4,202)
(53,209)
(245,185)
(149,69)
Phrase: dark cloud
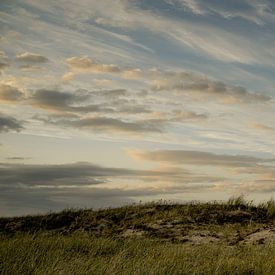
(65,102)
(8,123)
(9,93)
(54,100)
(24,201)
(78,174)
(31,58)
(199,158)
(32,188)
(3,65)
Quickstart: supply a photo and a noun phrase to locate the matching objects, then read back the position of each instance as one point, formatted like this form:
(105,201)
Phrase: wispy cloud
(254,11)
(199,158)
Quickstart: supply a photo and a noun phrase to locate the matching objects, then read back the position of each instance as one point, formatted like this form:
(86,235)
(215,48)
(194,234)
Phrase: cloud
(179,115)
(8,123)
(114,93)
(34,200)
(192,5)
(132,73)
(3,55)
(31,58)
(84,174)
(56,100)
(4,61)
(199,87)
(3,65)
(201,36)
(16,158)
(67,174)
(258,186)
(133,109)
(255,11)
(214,40)
(183,82)
(117,102)
(260,126)
(113,124)
(78,101)
(86,64)
(198,158)
(44,187)
(10,94)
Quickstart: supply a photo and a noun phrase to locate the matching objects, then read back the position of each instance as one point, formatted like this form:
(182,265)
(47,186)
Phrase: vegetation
(236,237)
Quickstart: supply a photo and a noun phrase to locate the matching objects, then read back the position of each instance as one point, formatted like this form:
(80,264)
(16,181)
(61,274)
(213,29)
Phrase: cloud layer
(185,86)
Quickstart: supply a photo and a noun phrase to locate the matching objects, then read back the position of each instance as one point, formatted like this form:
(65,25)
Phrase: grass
(83,254)
(155,238)
(109,222)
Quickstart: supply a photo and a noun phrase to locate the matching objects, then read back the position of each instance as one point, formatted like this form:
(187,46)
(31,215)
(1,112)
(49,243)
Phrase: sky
(113,102)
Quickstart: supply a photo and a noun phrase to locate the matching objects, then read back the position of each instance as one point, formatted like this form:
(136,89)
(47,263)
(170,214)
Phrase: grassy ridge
(236,237)
(110,222)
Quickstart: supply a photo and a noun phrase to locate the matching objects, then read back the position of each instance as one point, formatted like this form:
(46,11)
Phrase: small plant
(270,206)
(239,202)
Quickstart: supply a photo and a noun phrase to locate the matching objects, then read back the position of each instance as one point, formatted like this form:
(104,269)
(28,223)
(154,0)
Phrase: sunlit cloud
(31,58)
(10,94)
(198,158)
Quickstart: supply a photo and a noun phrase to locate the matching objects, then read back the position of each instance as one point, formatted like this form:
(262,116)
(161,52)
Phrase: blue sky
(104,103)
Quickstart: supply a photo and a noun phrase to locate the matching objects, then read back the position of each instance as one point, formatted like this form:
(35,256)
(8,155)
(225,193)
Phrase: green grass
(152,238)
(83,254)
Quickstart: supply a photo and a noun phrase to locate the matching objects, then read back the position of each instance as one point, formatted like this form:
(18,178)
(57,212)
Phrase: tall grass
(82,254)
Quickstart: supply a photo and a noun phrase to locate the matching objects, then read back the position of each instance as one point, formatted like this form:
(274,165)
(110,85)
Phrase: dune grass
(109,222)
(152,238)
(82,254)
